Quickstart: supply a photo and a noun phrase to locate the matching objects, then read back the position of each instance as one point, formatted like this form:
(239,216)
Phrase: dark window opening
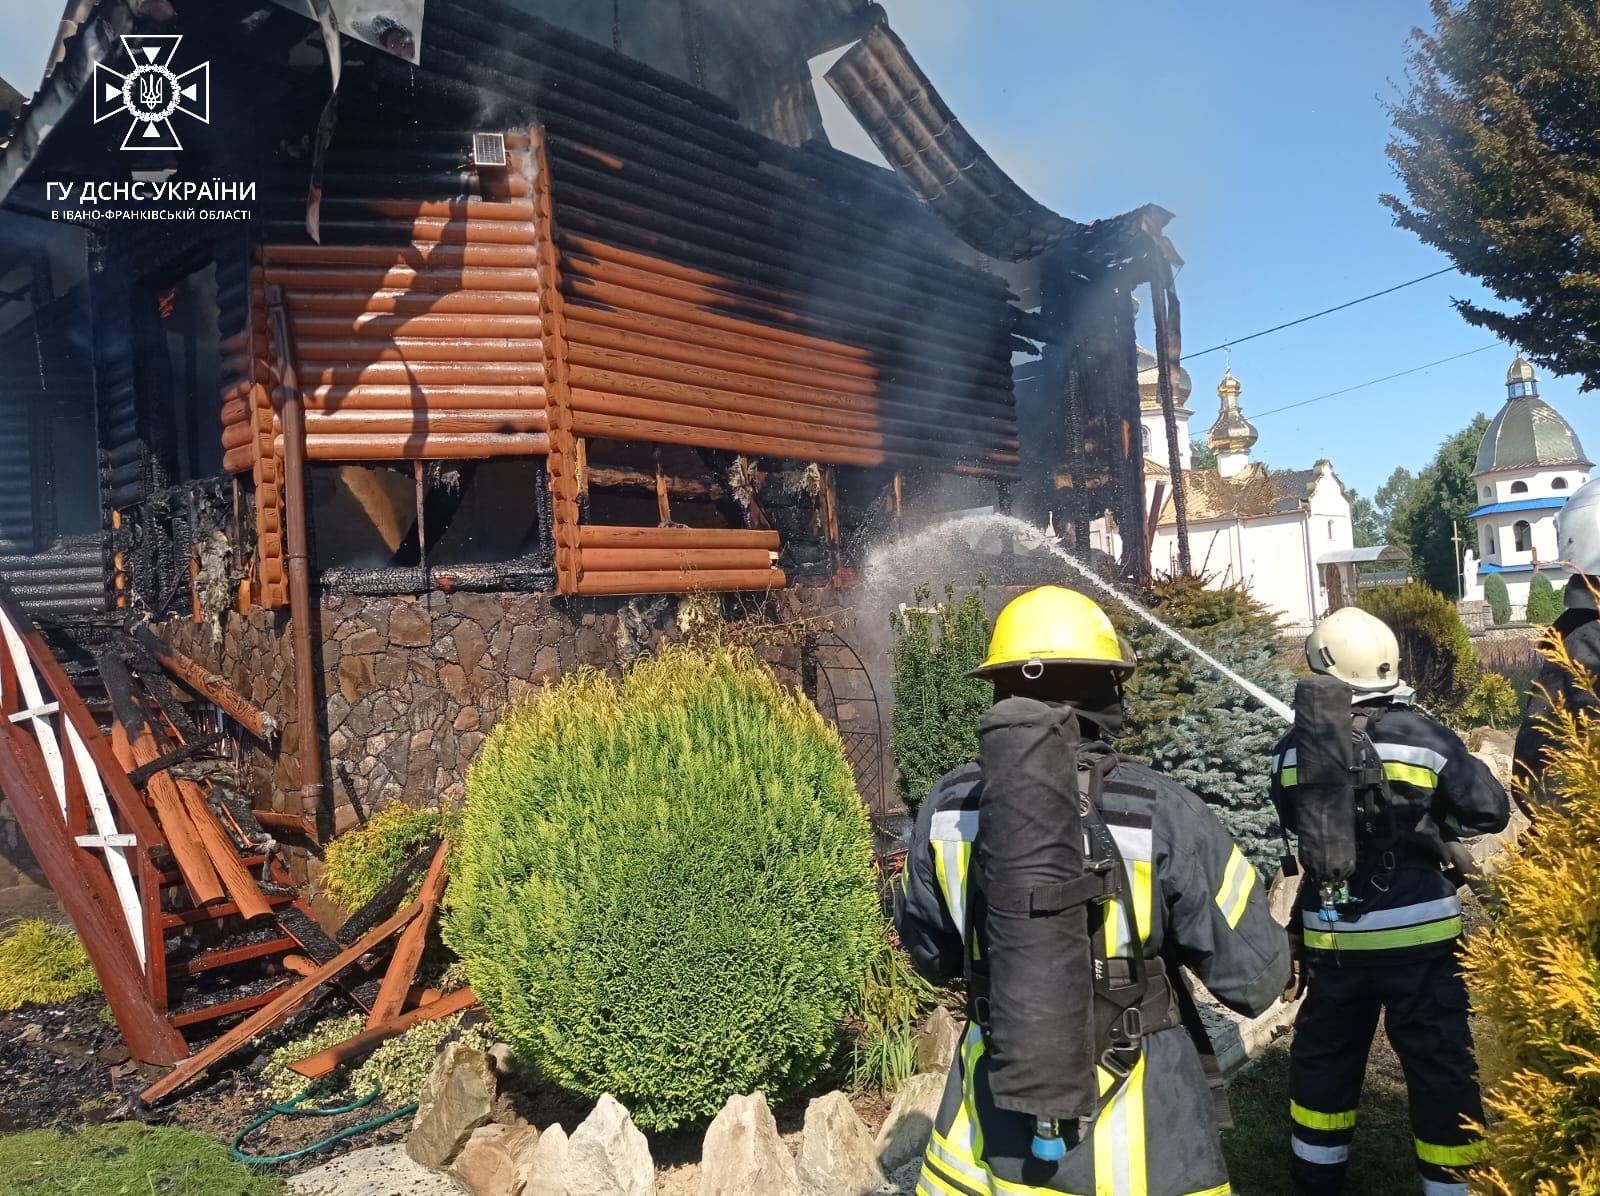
(1522,535)
(179,369)
(1519,487)
(1559,484)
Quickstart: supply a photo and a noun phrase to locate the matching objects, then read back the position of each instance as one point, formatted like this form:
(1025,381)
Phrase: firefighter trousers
(1424,1003)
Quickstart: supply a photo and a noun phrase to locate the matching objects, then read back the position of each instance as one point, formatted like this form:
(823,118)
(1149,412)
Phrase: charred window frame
(178,364)
(406,527)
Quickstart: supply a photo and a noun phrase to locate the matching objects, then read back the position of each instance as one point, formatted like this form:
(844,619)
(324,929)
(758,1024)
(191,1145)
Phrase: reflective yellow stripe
(1143,884)
(1234,895)
(935,1172)
(1411,774)
(1288,777)
(1116,935)
(950,860)
(1313,1120)
(1119,1162)
(1450,1156)
(929,1184)
(1219,1190)
(951,1163)
(1378,940)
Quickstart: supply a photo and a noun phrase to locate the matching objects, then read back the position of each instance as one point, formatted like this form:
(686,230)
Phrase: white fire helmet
(1578,529)
(1357,648)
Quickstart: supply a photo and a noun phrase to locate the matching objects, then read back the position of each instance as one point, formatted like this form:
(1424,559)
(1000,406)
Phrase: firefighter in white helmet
(1578,630)
(1390,946)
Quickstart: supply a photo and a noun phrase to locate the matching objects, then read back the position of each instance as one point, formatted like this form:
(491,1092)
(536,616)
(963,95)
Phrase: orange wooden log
(351,305)
(425,422)
(680,583)
(427,373)
(314,1067)
(293,824)
(278,1011)
(426,230)
(408,951)
(418,350)
(617,427)
(438,259)
(757,419)
(208,685)
(223,854)
(440,398)
(182,837)
(450,209)
(366,324)
(436,446)
(400,278)
(666,560)
(591,535)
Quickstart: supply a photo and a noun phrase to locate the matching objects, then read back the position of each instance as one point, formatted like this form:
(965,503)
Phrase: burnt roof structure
(669,296)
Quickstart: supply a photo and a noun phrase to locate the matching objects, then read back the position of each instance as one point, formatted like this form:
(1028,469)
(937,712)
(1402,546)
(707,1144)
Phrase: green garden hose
(292,1109)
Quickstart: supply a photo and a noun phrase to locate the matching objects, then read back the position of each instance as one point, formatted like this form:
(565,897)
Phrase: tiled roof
(1252,493)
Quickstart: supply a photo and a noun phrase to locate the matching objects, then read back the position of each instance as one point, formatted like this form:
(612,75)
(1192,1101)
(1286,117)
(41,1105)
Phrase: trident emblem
(151,92)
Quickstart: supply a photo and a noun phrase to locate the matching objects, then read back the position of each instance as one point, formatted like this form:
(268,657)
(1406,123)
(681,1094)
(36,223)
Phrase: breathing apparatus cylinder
(1326,812)
(1030,867)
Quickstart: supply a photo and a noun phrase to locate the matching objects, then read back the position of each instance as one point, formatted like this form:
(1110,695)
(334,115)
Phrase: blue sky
(1261,125)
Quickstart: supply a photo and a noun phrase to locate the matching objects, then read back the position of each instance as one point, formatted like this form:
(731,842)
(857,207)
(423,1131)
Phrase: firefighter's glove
(1297,981)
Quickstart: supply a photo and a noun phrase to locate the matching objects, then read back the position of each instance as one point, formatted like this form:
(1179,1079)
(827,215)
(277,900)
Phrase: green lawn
(124,1159)
(1381,1161)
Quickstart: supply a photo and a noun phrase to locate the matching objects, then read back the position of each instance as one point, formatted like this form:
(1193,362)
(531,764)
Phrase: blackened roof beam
(921,138)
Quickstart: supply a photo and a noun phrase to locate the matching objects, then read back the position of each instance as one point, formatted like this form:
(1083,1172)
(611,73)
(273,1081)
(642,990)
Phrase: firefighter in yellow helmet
(1160,885)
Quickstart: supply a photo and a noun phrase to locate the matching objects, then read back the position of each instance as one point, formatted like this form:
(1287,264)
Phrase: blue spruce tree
(1199,729)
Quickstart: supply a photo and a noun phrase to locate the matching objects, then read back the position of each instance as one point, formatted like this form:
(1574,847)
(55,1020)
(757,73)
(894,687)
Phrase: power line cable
(1333,394)
(1316,315)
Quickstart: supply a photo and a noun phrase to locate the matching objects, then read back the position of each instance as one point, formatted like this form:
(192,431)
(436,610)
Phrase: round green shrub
(662,888)
(1544,604)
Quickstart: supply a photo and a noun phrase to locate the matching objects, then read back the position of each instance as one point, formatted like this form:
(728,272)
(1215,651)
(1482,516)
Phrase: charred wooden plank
(389,897)
(277,1012)
(209,686)
(391,994)
(178,755)
(351,1049)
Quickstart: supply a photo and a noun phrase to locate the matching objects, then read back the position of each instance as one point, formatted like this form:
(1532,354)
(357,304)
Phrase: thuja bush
(936,705)
(1198,728)
(361,861)
(1544,604)
(1536,982)
(1498,597)
(663,888)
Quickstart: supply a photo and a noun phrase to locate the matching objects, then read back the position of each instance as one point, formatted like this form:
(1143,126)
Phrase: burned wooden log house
(535,311)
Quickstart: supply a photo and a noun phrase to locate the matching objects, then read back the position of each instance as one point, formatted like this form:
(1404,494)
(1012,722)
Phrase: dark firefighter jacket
(1410,910)
(1197,902)
(1579,629)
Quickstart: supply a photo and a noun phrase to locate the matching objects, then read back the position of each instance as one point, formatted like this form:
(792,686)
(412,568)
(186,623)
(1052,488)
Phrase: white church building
(1286,534)
(1529,463)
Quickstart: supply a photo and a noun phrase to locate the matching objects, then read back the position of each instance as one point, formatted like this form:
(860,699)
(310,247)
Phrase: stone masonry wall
(411,686)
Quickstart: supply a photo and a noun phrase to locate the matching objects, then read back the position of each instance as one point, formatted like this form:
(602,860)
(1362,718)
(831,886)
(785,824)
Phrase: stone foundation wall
(411,686)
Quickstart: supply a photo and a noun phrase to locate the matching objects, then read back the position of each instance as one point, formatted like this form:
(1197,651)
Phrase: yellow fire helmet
(1054,625)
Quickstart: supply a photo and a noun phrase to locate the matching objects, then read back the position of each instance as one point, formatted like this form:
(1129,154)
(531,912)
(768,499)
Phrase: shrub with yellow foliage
(1536,979)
